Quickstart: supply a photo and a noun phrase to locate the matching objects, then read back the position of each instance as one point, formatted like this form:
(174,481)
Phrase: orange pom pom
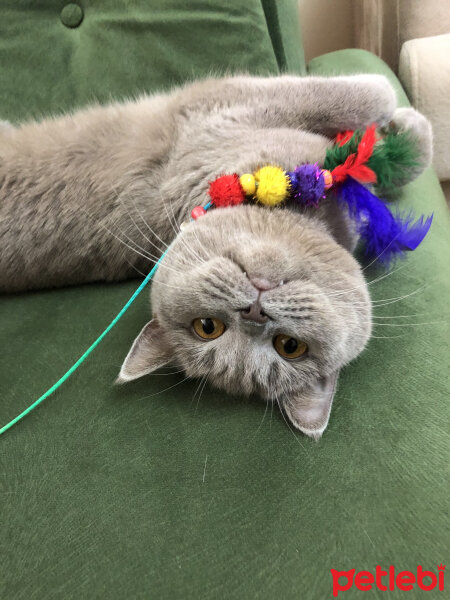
(327,178)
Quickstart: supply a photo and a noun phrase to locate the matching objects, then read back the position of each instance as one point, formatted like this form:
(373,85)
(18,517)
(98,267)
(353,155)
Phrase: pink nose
(262,284)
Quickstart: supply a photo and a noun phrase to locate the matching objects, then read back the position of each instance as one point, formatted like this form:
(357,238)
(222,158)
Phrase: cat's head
(258,301)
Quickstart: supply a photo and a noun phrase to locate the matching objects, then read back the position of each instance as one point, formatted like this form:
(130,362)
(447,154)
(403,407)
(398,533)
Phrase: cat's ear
(310,410)
(149,352)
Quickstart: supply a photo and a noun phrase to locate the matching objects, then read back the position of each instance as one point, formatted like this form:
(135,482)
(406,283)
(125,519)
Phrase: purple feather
(385,235)
(308,184)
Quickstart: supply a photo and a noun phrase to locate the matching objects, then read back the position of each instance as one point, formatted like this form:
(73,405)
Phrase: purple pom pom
(308,184)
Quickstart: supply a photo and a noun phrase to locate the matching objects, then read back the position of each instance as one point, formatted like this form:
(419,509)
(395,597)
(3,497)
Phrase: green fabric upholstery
(57,55)
(150,491)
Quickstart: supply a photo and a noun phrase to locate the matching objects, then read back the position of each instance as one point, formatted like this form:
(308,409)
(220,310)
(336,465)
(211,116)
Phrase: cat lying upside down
(265,301)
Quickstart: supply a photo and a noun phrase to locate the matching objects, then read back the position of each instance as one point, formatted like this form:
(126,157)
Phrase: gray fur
(94,196)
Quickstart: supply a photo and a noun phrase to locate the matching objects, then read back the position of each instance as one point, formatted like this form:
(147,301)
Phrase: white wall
(327,25)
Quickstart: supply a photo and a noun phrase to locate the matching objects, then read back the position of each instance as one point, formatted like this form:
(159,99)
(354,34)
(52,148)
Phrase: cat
(259,301)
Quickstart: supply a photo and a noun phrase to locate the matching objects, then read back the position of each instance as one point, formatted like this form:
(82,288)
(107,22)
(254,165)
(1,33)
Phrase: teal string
(89,351)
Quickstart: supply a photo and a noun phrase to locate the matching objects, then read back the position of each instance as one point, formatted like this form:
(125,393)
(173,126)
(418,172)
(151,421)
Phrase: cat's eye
(289,347)
(208,329)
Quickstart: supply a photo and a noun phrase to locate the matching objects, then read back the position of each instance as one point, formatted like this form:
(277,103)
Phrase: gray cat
(265,301)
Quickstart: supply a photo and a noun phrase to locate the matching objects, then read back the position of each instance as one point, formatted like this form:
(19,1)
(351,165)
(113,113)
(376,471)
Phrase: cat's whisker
(165,389)
(142,233)
(147,255)
(191,250)
(387,301)
(150,258)
(409,324)
(397,316)
(381,302)
(177,230)
(363,285)
(196,390)
(121,199)
(175,227)
(175,287)
(288,424)
(381,253)
(152,231)
(205,381)
(378,337)
(194,252)
(199,243)
(264,416)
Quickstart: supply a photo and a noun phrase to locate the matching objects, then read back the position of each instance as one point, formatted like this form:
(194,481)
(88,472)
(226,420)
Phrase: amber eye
(208,329)
(289,347)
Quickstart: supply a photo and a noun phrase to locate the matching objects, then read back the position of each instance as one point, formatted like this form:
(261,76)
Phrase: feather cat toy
(357,158)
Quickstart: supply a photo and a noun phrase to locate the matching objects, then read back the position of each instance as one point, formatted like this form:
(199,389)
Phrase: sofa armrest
(425,72)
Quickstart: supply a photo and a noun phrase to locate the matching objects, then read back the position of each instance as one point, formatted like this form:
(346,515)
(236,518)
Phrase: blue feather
(385,235)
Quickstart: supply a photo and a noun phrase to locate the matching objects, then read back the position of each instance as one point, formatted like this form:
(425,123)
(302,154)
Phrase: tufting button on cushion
(72,15)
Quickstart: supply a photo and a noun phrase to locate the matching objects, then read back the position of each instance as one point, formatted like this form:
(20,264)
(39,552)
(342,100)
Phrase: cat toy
(358,159)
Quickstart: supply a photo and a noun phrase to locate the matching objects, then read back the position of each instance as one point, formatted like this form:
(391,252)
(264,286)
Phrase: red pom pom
(226,191)
(197,211)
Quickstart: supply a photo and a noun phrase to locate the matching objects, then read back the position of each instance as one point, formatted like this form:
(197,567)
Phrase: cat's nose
(262,284)
(255,313)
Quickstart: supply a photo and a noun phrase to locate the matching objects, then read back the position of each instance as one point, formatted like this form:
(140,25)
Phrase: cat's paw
(409,119)
(414,122)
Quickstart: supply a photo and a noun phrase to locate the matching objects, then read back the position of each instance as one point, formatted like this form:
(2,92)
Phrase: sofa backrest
(57,55)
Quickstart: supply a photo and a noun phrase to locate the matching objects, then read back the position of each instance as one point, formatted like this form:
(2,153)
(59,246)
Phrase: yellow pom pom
(248,184)
(273,185)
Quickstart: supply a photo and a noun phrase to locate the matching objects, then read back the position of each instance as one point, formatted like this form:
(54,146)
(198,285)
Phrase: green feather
(393,157)
(336,155)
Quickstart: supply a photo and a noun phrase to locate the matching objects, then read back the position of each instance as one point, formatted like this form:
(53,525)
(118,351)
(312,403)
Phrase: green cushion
(152,491)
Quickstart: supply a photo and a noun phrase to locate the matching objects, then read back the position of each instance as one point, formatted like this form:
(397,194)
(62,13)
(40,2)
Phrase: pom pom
(273,185)
(197,211)
(328,178)
(226,191)
(248,183)
(308,184)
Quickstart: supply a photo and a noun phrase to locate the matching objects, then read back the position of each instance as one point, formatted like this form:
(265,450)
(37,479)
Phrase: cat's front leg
(335,104)
(325,105)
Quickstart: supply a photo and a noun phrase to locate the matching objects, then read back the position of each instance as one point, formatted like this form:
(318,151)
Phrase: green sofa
(148,490)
